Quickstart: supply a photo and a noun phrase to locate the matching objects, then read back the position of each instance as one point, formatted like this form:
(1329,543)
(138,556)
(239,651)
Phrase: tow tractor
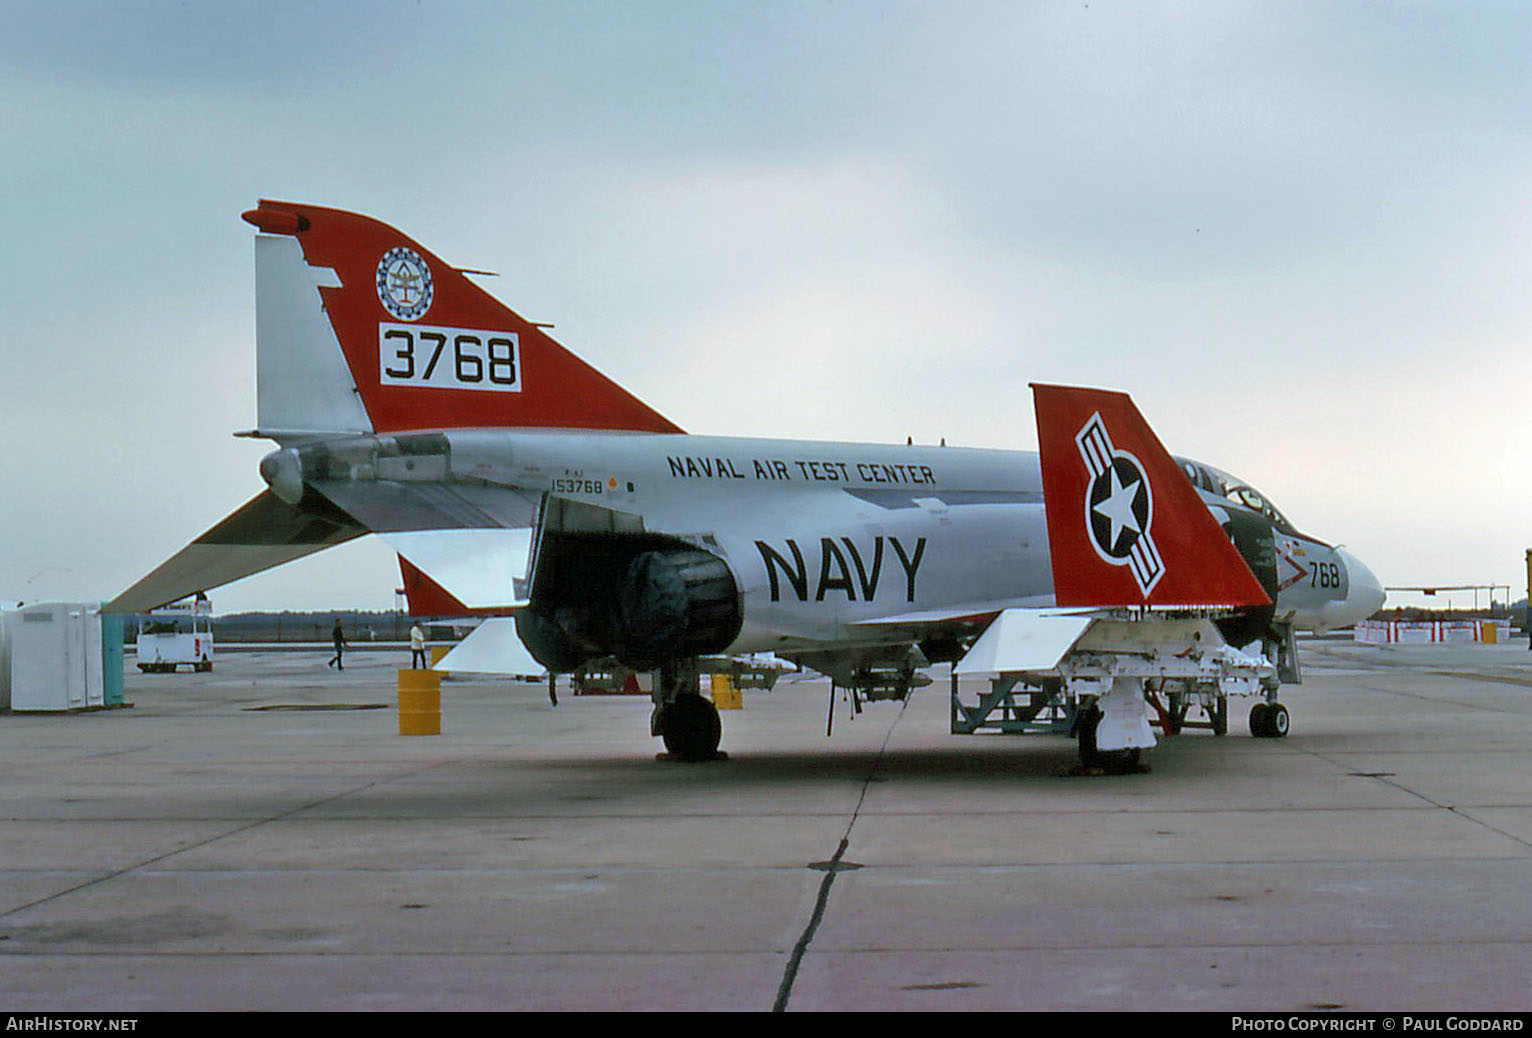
(180,633)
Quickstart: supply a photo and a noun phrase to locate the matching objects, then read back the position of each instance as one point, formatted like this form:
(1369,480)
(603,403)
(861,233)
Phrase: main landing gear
(1268,720)
(683,717)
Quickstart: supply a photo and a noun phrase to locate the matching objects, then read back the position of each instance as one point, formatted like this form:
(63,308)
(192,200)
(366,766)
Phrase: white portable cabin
(51,656)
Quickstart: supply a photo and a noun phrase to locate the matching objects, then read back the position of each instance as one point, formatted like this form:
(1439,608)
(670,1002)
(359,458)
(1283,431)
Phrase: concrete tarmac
(261,838)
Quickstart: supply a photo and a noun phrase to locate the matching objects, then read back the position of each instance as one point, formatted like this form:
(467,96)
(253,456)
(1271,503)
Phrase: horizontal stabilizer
(266,532)
(1024,640)
(482,569)
(492,648)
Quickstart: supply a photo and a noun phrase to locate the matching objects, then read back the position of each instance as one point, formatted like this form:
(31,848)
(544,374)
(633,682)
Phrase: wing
(474,541)
(266,532)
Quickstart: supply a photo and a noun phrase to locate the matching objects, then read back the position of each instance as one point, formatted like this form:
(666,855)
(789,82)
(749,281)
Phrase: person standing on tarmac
(417,647)
(339,637)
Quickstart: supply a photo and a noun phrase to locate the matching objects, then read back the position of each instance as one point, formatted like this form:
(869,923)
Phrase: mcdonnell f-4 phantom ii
(516,482)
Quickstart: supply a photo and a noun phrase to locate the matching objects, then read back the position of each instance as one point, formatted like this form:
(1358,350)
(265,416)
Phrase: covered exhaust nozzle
(283,472)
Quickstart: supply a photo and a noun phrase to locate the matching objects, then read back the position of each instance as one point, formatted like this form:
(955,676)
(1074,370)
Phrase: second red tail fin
(1125,525)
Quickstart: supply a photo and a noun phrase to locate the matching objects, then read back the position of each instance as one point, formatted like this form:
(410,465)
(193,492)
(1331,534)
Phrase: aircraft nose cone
(1364,592)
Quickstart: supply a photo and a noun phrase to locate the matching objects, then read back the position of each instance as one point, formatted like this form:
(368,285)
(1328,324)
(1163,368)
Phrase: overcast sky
(1299,234)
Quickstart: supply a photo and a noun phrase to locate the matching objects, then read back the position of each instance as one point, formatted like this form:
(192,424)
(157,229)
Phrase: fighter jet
(517,482)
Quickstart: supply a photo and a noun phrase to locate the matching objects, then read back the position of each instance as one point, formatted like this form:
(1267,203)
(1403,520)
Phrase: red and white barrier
(1432,632)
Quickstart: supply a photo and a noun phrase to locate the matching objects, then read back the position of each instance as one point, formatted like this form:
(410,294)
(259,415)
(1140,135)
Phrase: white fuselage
(824,539)
(819,536)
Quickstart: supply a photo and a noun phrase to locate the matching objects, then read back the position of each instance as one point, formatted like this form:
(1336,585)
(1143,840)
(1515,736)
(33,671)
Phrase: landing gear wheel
(1086,720)
(692,728)
(1101,762)
(1219,717)
(1269,721)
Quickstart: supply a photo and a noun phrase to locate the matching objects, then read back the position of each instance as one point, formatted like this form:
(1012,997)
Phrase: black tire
(692,728)
(1086,720)
(1220,716)
(1118,762)
(1179,705)
(1259,723)
(1277,721)
(1112,762)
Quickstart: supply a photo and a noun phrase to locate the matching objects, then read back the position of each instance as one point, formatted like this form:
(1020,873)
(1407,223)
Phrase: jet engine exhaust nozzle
(283,472)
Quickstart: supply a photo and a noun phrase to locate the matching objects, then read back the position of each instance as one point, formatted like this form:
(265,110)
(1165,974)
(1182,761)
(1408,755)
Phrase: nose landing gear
(1268,721)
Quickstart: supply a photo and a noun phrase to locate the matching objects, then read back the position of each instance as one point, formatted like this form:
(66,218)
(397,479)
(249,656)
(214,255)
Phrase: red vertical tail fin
(424,347)
(1125,525)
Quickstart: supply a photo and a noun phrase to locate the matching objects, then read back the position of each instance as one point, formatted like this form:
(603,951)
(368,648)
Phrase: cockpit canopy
(1220,483)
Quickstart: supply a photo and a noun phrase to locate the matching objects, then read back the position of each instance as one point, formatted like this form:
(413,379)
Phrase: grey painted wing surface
(265,532)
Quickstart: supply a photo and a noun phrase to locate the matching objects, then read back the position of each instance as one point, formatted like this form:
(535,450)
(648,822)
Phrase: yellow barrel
(726,695)
(420,702)
(1491,634)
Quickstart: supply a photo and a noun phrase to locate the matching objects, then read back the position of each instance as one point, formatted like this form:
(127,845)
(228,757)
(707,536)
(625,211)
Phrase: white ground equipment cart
(177,634)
